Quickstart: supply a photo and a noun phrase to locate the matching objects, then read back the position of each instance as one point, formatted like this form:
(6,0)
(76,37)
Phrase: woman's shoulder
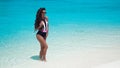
(46,18)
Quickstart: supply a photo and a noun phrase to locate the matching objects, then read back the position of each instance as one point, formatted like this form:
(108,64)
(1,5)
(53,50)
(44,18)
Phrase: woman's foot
(45,60)
(41,58)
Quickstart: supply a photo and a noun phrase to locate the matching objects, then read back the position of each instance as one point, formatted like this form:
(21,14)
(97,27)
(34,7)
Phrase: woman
(41,24)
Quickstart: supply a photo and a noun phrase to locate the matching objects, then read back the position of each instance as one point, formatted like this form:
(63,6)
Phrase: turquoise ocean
(73,24)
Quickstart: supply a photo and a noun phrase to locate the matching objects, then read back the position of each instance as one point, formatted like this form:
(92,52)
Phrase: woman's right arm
(40,25)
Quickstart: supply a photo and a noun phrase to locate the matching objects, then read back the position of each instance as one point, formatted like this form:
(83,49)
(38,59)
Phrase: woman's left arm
(47,27)
(47,31)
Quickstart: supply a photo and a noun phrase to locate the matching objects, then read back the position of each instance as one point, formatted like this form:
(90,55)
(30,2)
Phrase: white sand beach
(92,58)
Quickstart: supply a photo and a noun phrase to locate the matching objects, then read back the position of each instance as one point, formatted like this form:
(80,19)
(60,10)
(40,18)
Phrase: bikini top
(44,26)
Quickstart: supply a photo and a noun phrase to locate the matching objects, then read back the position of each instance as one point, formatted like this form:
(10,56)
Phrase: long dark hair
(38,18)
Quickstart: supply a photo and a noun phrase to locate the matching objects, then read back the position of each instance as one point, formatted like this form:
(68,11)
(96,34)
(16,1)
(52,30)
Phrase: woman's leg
(44,52)
(41,52)
(44,47)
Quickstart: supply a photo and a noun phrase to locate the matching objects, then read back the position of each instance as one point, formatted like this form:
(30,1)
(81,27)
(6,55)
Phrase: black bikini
(43,34)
